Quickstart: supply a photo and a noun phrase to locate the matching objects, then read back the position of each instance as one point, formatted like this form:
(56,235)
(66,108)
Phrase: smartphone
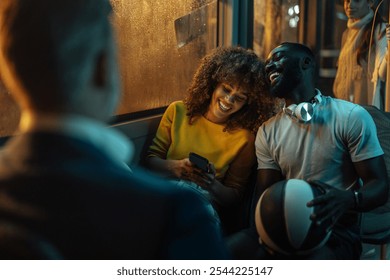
(199,161)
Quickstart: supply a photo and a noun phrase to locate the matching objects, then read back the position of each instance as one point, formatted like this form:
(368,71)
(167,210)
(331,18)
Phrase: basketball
(283,219)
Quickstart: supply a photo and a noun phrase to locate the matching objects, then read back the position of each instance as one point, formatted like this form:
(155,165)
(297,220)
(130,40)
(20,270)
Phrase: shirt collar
(107,139)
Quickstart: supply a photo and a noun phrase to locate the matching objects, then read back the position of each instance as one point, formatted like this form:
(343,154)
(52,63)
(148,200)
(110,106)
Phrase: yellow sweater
(232,153)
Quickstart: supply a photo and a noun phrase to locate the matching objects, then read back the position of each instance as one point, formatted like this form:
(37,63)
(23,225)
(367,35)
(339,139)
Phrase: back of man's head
(49,49)
(299,48)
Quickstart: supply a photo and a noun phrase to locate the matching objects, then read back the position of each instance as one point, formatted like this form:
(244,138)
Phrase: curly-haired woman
(225,105)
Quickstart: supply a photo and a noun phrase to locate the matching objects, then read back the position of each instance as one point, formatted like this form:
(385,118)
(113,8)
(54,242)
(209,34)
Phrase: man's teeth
(273,76)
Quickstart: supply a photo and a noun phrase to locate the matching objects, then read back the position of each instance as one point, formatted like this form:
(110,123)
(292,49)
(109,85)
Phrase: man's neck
(299,96)
(44,121)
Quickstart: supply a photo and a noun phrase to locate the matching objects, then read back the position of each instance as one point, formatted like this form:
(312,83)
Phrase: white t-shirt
(322,149)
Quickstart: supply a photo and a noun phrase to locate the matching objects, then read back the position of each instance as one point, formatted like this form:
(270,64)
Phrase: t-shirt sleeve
(362,139)
(265,160)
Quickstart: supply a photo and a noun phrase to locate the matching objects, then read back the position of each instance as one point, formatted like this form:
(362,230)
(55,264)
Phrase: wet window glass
(160,44)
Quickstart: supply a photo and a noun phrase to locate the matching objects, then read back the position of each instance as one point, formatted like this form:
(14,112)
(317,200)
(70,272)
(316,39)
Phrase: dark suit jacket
(76,198)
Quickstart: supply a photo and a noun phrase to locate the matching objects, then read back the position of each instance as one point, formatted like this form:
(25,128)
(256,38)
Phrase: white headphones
(303,111)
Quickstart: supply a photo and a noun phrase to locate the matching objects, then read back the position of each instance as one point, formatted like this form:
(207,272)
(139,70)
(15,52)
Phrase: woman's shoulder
(244,133)
(178,107)
(177,104)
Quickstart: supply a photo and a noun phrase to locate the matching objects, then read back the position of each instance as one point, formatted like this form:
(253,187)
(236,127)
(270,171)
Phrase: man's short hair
(299,48)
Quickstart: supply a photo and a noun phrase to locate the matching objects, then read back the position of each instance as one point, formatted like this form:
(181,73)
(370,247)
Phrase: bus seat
(375,224)
(141,132)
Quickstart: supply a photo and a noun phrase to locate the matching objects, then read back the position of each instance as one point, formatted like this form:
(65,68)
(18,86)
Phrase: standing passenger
(362,63)
(62,176)
(225,105)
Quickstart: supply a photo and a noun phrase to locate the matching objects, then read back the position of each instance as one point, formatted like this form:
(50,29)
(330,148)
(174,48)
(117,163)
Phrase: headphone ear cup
(304,111)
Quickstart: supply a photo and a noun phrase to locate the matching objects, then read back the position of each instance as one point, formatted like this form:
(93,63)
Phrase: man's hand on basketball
(332,204)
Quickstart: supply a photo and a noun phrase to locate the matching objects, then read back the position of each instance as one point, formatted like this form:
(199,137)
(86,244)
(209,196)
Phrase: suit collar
(108,140)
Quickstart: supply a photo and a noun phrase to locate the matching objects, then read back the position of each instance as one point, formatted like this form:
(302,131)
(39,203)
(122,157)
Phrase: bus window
(161,43)
(275,22)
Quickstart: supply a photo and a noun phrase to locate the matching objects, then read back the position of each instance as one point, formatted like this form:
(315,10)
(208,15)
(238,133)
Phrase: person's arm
(268,170)
(373,193)
(230,189)
(265,179)
(170,168)
(157,152)
(375,188)
(361,139)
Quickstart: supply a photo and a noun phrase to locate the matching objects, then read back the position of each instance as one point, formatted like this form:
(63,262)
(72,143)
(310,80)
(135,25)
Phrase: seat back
(382,122)
(375,224)
(141,132)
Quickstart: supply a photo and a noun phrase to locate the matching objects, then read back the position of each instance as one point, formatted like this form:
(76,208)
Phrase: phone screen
(199,161)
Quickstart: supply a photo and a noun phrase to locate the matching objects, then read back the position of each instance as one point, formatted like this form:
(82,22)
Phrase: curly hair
(234,65)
